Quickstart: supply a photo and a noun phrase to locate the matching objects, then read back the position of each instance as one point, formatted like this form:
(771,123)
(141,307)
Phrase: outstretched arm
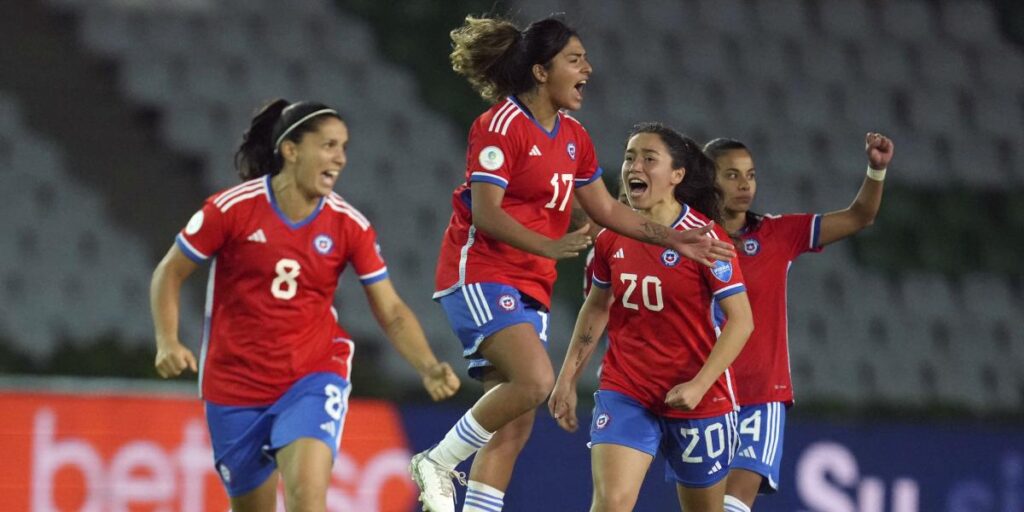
(691,243)
(590,324)
(861,213)
(406,335)
(172,356)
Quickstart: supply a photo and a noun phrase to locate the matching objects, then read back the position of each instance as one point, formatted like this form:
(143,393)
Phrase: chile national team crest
(751,246)
(507,303)
(571,149)
(669,258)
(323,244)
(602,420)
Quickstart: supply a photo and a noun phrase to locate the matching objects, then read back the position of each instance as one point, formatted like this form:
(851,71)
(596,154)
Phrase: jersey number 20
(650,291)
(285,285)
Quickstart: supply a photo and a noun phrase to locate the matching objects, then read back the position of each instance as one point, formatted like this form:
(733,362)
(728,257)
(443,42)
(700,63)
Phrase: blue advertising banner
(826,467)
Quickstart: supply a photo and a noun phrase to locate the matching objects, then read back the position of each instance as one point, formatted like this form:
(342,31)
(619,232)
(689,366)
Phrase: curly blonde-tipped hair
(482,53)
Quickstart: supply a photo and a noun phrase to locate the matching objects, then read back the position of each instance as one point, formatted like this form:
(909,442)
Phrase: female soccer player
(274,363)
(664,385)
(525,159)
(767,246)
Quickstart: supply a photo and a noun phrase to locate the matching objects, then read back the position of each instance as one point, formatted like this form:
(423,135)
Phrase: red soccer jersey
(766,253)
(539,171)
(660,326)
(270,318)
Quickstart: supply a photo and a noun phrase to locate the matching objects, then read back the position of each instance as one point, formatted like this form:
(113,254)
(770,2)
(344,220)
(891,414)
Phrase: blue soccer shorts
(761,429)
(245,439)
(476,311)
(697,451)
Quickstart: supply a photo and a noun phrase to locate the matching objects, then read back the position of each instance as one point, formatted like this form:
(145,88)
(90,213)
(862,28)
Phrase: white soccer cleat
(437,492)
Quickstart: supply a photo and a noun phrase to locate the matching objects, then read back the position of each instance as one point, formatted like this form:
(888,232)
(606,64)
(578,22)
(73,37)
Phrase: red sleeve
(801,231)
(491,155)
(601,272)
(365,255)
(205,233)
(587,170)
(588,272)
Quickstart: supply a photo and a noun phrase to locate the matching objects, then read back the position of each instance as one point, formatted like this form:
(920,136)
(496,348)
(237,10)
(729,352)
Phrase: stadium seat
(969,21)
(783,18)
(845,19)
(731,17)
(908,20)
(942,65)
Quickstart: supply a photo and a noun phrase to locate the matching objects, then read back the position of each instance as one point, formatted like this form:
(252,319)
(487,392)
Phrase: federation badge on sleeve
(491,158)
(669,258)
(323,244)
(571,149)
(722,271)
(194,223)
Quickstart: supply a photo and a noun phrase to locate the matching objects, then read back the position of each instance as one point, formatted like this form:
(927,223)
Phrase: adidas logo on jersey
(258,237)
(619,254)
(716,468)
(534,151)
(329,428)
(749,453)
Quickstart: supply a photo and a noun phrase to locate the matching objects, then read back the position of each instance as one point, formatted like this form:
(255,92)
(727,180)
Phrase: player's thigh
(260,499)
(305,465)
(517,354)
(743,484)
(702,499)
(618,473)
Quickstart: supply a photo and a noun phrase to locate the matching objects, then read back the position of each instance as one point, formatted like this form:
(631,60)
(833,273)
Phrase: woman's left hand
(440,381)
(685,396)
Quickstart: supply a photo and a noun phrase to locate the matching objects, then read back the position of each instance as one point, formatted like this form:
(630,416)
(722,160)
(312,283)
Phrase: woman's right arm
(491,219)
(590,324)
(612,214)
(172,357)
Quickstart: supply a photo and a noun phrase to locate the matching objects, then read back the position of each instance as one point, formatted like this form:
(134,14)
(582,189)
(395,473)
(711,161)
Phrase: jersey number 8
(285,286)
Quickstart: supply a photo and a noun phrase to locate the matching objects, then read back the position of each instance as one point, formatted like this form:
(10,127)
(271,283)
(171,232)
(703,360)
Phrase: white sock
(733,504)
(463,440)
(481,497)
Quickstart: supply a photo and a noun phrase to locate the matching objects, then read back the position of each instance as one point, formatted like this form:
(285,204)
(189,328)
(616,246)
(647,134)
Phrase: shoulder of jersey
(695,219)
(572,120)
(502,116)
(338,205)
(246,191)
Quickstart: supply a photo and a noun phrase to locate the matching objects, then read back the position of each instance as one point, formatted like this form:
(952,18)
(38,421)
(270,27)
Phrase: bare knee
(606,500)
(305,497)
(536,388)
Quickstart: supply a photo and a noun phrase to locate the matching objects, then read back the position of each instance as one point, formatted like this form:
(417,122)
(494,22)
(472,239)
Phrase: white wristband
(876,174)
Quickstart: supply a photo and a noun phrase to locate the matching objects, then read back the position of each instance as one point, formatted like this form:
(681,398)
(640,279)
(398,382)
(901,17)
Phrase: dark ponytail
(257,155)
(496,57)
(698,186)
